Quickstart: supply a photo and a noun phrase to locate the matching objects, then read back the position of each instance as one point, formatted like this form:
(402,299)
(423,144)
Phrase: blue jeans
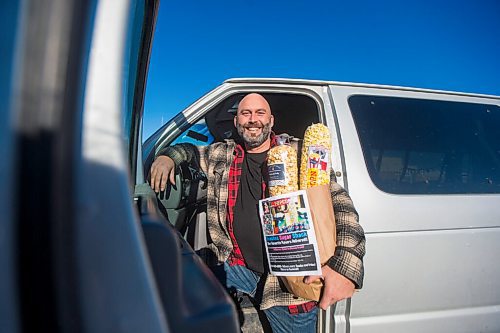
(280,319)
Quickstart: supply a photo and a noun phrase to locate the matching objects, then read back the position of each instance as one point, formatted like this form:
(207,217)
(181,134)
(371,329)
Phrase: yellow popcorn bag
(315,159)
(315,179)
(282,167)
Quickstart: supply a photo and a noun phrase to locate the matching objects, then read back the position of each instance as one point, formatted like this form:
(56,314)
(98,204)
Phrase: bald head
(254,122)
(254,100)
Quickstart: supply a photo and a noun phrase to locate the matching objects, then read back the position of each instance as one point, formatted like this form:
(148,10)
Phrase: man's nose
(253,117)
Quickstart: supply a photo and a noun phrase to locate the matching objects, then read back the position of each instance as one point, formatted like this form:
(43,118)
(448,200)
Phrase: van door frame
(336,317)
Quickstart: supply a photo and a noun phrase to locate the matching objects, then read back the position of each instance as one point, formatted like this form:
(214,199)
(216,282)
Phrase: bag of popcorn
(315,159)
(282,167)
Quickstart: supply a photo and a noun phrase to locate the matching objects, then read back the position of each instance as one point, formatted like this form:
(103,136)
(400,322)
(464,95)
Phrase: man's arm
(163,167)
(344,270)
(350,250)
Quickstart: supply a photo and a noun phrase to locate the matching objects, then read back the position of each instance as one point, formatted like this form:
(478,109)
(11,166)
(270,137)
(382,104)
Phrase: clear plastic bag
(315,159)
(282,167)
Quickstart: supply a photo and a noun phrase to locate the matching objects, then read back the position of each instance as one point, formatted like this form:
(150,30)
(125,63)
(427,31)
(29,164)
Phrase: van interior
(292,114)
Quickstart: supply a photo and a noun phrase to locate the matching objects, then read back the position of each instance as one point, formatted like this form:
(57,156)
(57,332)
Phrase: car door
(175,266)
(81,253)
(9,302)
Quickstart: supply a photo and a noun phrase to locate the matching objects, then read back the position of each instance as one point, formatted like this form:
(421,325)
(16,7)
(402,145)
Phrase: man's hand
(337,287)
(162,169)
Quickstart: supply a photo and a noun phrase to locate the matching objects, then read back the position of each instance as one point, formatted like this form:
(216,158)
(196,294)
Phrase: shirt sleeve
(348,257)
(186,152)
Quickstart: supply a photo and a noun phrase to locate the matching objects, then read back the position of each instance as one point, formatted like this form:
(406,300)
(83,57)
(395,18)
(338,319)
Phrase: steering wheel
(180,202)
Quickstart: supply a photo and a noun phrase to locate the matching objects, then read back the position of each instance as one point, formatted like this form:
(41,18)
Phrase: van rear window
(417,146)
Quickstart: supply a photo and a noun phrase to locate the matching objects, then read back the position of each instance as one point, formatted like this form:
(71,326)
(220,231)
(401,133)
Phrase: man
(235,184)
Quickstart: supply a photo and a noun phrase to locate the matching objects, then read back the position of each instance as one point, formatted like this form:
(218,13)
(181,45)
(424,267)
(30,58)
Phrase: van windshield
(416,146)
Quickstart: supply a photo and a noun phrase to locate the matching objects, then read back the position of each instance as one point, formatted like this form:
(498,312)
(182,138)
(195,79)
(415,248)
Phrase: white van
(423,170)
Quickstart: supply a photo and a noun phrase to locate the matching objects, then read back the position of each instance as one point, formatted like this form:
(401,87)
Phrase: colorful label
(277,174)
(317,158)
(312,177)
(317,166)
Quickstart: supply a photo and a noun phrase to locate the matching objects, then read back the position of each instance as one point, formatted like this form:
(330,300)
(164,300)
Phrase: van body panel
(431,259)
(350,84)
(483,319)
(429,271)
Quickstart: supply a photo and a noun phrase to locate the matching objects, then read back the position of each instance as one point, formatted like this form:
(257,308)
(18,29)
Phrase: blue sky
(448,45)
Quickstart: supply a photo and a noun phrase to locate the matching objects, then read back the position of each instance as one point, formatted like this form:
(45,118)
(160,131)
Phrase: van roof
(322,83)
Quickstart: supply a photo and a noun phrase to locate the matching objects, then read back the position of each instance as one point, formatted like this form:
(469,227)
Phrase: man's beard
(254,141)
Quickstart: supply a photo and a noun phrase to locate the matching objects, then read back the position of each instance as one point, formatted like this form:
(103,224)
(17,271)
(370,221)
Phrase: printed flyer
(289,236)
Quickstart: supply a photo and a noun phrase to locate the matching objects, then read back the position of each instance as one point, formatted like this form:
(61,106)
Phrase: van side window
(416,146)
(198,135)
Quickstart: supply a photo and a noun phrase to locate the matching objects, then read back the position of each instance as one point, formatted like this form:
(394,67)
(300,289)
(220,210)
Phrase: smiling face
(254,121)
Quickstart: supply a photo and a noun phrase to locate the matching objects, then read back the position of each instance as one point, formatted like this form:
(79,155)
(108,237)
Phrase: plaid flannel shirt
(215,161)
(236,257)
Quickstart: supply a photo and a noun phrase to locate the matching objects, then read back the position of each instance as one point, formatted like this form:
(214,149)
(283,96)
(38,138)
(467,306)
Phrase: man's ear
(272,121)
(235,121)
